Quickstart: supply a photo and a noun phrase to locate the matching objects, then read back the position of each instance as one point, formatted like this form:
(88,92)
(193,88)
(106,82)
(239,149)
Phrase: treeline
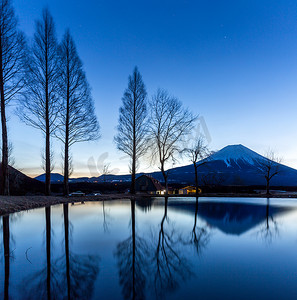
(159,127)
(46,79)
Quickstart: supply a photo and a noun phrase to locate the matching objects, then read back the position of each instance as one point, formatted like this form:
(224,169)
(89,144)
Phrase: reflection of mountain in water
(230,218)
(234,218)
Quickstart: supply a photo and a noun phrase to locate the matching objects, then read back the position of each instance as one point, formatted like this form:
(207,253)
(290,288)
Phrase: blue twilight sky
(232,62)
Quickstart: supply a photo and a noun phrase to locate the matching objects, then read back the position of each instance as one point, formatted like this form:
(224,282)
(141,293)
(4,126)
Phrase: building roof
(156,183)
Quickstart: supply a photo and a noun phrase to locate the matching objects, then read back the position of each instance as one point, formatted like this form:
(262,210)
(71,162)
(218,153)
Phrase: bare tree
(77,119)
(12,52)
(170,122)
(199,154)
(269,166)
(40,105)
(132,128)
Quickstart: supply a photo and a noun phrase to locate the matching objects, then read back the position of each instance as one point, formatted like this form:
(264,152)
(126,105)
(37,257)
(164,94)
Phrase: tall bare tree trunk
(133,177)
(47,132)
(267,186)
(66,167)
(134,149)
(165,176)
(66,154)
(5,173)
(47,163)
(196,179)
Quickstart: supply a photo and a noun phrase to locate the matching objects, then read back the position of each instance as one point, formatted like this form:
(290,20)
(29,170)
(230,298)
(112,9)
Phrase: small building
(189,190)
(150,185)
(172,191)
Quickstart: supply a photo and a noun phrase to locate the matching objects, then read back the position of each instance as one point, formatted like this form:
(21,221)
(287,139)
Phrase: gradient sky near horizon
(232,62)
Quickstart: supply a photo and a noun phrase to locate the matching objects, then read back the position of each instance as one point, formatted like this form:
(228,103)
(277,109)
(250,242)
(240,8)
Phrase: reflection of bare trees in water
(132,256)
(48,251)
(106,218)
(161,264)
(169,265)
(44,284)
(81,270)
(76,272)
(270,229)
(6,246)
(200,235)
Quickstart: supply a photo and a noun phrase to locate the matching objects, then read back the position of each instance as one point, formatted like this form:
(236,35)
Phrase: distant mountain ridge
(21,184)
(232,165)
(55,177)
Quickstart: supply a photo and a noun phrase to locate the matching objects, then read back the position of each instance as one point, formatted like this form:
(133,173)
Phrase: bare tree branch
(169,123)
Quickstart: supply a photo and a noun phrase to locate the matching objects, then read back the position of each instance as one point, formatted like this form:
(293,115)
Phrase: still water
(216,248)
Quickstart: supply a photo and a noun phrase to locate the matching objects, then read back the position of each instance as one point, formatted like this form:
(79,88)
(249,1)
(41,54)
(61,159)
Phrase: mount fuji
(232,165)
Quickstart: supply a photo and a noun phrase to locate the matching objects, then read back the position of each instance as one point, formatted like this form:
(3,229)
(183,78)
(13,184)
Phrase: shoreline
(13,204)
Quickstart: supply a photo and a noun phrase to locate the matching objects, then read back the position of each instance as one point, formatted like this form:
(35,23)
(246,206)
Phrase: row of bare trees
(158,127)
(160,264)
(158,130)
(52,91)
(48,80)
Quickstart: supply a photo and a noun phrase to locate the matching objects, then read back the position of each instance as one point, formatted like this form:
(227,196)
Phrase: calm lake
(218,248)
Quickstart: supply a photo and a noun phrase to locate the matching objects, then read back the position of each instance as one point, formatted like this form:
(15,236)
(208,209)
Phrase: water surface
(216,248)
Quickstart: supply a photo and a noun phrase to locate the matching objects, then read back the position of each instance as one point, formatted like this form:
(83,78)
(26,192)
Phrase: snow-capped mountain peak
(236,153)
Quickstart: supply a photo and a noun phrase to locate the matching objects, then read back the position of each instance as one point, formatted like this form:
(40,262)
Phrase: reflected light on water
(159,248)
